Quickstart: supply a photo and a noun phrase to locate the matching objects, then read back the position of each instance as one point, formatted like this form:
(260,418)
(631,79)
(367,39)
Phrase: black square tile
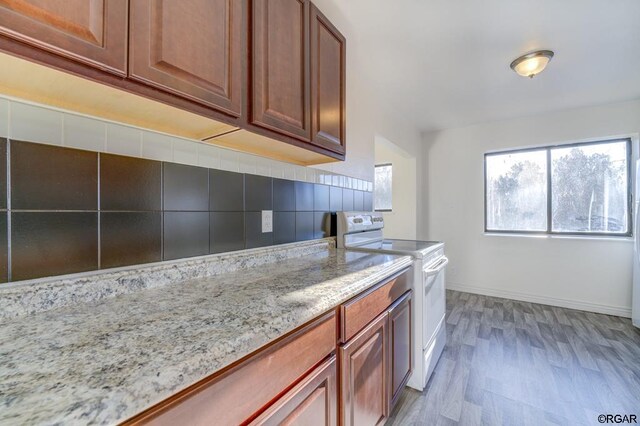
(185,188)
(253,231)
(53,243)
(304,226)
(227,231)
(368,201)
(321,224)
(284,227)
(3,173)
(335,199)
(45,177)
(347,199)
(320,197)
(130,238)
(4,265)
(304,197)
(226,191)
(186,234)
(258,191)
(284,195)
(128,183)
(358,200)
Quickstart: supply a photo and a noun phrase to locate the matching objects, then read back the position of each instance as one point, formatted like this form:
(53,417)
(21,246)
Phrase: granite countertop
(103,362)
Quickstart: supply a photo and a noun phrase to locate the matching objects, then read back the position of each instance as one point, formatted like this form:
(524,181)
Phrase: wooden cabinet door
(192,48)
(328,78)
(400,347)
(280,67)
(364,375)
(90,31)
(312,402)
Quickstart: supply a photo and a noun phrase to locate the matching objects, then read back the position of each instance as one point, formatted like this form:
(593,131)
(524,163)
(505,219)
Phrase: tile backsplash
(79,194)
(72,210)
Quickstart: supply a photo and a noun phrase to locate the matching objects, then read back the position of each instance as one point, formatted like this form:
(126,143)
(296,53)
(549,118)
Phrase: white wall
(401,221)
(590,274)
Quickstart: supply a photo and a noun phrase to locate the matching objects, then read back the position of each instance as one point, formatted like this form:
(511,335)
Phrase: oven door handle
(439,266)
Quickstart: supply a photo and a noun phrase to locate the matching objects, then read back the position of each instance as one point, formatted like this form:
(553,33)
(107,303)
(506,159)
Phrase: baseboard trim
(553,301)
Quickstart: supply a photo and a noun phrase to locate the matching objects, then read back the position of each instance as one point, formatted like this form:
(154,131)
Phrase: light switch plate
(267,221)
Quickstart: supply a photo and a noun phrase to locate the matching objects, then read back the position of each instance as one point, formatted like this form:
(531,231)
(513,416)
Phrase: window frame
(549,231)
(374,193)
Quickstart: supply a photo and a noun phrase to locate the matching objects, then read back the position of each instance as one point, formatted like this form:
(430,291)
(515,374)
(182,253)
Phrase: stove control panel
(349,223)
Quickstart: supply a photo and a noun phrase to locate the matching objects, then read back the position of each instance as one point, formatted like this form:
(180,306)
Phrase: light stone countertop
(103,362)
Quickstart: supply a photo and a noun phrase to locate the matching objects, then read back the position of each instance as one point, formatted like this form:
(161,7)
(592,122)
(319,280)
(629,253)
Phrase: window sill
(558,237)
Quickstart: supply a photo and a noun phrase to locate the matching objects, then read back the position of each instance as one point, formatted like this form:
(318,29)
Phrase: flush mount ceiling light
(532,63)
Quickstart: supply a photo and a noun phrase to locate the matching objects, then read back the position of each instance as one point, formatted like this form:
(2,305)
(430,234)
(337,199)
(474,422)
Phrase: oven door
(434,298)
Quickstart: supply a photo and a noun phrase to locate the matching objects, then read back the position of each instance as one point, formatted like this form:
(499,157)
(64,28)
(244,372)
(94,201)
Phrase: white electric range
(362,231)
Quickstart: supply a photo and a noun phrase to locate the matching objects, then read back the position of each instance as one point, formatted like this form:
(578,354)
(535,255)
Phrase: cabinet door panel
(280,58)
(365,375)
(328,74)
(190,47)
(90,31)
(312,402)
(400,346)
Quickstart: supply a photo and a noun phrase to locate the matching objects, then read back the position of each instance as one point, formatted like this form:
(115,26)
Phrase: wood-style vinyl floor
(516,363)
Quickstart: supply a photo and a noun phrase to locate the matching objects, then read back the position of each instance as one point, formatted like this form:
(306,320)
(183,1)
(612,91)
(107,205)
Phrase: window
(580,189)
(383,196)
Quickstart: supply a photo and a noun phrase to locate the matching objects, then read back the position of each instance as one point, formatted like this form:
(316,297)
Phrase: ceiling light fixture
(532,63)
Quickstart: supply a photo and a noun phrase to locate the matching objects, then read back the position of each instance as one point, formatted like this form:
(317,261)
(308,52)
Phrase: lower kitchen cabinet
(400,347)
(375,357)
(365,364)
(312,402)
(361,348)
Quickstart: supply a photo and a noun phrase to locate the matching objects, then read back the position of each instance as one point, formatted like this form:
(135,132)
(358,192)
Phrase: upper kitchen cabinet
(92,32)
(328,74)
(192,48)
(280,67)
(265,77)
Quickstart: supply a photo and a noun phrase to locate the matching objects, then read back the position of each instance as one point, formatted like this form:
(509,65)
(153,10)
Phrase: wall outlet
(267,221)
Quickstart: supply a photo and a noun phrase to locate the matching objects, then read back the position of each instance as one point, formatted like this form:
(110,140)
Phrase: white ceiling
(445,63)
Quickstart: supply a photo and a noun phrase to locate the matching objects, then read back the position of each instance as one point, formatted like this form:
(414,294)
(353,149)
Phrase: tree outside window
(383,197)
(576,189)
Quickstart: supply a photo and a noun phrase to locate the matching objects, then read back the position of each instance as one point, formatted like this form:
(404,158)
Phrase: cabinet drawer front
(358,312)
(92,32)
(311,402)
(237,394)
